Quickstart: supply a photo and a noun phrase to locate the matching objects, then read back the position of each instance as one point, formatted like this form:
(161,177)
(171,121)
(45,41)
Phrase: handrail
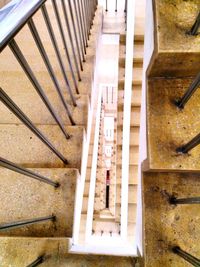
(16,18)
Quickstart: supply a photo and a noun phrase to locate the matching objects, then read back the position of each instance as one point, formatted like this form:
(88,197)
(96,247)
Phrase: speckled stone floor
(167,225)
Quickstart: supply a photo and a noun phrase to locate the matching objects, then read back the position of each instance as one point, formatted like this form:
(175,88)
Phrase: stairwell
(171,171)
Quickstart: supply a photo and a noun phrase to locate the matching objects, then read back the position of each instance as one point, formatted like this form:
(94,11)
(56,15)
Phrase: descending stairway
(24,199)
(135,119)
(171,174)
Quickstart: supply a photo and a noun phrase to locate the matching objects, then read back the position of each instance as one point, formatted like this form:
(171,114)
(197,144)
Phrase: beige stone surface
(168,225)
(20,145)
(169,127)
(176,53)
(19,252)
(22,198)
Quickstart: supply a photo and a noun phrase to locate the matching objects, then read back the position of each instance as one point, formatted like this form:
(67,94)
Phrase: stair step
(134,135)
(132,209)
(135,117)
(24,148)
(134,155)
(132,194)
(137,73)
(133,174)
(31,104)
(135,97)
(27,250)
(25,198)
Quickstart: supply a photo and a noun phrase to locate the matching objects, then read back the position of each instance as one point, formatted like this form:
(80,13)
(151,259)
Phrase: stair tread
(34,108)
(24,148)
(27,198)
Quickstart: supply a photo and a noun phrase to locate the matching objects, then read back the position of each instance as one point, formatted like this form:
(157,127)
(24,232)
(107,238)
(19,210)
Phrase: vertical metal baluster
(21,116)
(80,29)
(18,224)
(78,45)
(125,7)
(82,22)
(116,6)
(24,64)
(37,262)
(106,5)
(45,58)
(55,6)
(58,55)
(186,256)
(87,18)
(190,145)
(16,168)
(190,200)
(193,87)
(196,26)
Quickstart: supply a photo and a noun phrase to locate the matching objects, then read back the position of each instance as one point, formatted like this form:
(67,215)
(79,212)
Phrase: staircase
(138,47)
(171,171)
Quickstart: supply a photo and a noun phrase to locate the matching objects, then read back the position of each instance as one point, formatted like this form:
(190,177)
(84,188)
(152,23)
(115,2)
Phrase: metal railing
(186,256)
(76,24)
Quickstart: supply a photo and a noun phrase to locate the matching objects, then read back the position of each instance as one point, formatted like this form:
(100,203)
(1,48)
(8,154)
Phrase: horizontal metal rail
(37,262)
(16,168)
(195,26)
(190,145)
(20,115)
(191,90)
(186,256)
(189,200)
(18,224)
(16,19)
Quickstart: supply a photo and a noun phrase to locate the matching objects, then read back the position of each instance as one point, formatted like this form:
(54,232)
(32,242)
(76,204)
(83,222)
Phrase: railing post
(186,256)
(24,64)
(77,40)
(16,168)
(55,45)
(55,6)
(190,200)
(37,262)
(49,67)
(20,115)
(193,87)
(195,26)
(18,224)
(190,145)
